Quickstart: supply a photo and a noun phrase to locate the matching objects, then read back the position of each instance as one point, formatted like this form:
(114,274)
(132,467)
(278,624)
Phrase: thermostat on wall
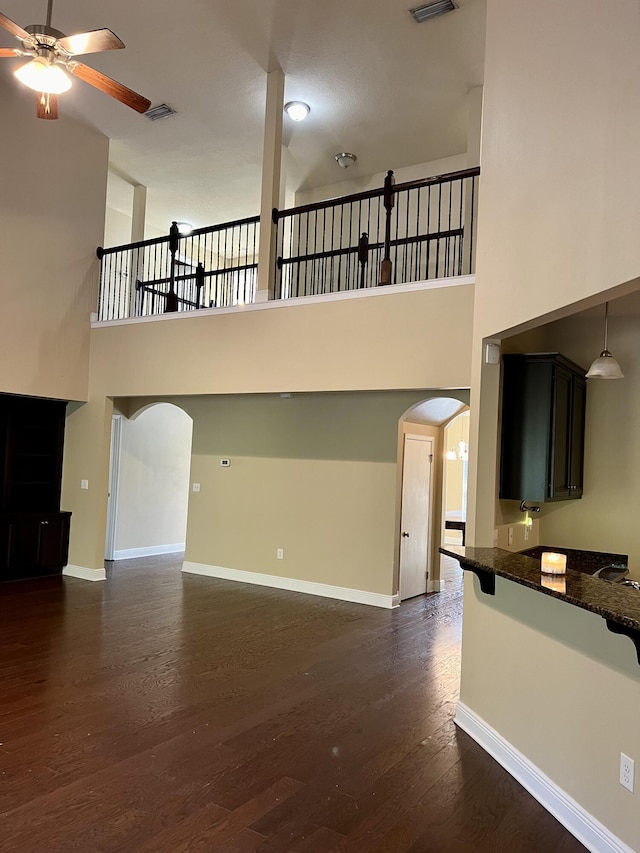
(225,463)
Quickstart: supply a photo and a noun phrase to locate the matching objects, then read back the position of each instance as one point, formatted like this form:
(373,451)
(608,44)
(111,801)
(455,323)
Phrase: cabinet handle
(44,522)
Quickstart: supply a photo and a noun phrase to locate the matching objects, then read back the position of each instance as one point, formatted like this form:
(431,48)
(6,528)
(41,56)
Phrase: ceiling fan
(50,55)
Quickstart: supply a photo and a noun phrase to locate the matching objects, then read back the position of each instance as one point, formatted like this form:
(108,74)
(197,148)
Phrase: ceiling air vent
(161,111)
(432,10)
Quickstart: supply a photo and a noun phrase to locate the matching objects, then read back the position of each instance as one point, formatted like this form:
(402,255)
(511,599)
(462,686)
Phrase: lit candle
(557,584)
(553,564)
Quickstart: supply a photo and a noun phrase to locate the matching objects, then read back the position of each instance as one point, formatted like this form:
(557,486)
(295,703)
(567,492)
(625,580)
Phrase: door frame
(114,481)
(415,436)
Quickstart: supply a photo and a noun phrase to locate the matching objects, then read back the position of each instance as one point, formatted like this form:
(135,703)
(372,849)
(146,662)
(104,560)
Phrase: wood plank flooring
(169,712)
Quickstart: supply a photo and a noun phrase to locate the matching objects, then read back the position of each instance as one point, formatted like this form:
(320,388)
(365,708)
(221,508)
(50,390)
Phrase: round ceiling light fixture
(345,159)
(297,110)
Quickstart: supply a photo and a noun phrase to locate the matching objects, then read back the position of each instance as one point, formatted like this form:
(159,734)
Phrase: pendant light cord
(606,324)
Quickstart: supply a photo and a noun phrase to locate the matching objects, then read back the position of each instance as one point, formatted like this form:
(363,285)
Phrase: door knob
(405,535)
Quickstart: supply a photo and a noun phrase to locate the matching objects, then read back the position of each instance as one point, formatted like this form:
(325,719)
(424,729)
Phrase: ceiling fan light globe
(42,76)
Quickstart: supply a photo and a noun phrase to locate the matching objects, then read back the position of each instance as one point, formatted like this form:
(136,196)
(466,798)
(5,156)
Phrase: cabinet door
(33,546)
(576,462)
(561,435)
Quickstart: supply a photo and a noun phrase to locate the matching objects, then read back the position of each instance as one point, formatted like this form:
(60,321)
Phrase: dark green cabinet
(543,422)
(34,534)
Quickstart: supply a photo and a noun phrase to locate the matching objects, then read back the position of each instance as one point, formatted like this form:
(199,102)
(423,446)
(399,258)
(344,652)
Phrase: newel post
(363,256)
(172,296)
(386,267)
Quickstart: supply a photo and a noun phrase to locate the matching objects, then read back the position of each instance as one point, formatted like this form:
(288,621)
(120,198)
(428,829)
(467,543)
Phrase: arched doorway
(421,463)
(149,482)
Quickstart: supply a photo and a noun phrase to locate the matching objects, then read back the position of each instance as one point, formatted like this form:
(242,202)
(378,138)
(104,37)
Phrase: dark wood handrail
(376,193)
(154,241)
(399,241)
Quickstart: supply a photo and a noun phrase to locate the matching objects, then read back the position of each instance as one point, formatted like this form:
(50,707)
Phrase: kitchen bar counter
(618,605)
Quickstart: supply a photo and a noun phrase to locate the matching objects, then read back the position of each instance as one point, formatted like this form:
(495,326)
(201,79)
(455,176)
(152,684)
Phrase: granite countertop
(614,602)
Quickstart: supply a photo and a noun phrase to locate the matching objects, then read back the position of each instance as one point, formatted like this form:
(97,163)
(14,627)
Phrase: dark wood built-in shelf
(34,534)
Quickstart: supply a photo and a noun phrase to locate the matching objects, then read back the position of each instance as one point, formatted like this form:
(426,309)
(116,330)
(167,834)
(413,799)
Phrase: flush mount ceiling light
(185,228)
(297,110)
(432,10)
(605,366)
(344,159)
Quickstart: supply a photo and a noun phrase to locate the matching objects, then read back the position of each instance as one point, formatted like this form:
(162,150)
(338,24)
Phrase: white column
(138,213)
(271,168)
(136,261)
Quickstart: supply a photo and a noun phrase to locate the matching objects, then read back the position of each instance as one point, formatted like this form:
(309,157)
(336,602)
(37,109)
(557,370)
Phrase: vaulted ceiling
(392,91)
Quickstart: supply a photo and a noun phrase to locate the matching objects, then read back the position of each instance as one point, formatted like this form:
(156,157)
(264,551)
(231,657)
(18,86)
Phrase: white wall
(153,490)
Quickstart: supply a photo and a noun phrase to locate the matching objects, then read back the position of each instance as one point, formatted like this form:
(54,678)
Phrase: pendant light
(605,366)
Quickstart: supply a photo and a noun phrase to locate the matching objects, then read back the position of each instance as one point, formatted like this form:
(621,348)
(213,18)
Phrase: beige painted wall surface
(551,678)
(560,191)
(455,432)
(154,478)
(558,204)
(334,519)
(395,340)
(50,230)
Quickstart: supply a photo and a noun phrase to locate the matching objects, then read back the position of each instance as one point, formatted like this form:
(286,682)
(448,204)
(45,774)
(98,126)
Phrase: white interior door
(114,477)
(416,515)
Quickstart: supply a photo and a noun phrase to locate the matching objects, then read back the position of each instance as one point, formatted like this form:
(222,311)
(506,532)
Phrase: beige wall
(314,474)
(53,178)
(153,489)
(379,341)
(354,343)
(454,432)
(559,204)
(561,688)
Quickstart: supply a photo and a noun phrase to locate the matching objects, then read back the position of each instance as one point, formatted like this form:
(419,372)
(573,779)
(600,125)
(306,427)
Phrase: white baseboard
(435,586)
(586,828)
(150,551)
(84,573)
(358,596)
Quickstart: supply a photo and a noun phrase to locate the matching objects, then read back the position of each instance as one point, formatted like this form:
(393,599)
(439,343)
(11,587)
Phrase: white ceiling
(379,85)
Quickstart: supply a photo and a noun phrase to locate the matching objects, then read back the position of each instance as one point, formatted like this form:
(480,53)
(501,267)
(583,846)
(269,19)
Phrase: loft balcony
(417,231)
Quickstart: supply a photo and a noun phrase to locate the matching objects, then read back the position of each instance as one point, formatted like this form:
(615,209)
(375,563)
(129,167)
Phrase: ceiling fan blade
(9,52)
(46,105)
(110,87)
(13,28)
(92,42)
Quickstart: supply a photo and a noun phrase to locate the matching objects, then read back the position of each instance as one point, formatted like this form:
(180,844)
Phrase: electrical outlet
(510,536)
(627,771)
(527,530)
(280,554)
(196,487)
(495,537)
(84,484)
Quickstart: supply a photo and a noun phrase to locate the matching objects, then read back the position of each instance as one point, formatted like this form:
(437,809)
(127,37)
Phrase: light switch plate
(84,484)
(196,487)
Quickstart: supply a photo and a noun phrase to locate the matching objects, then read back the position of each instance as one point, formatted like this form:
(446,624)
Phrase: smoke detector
(344,159)
(432,10)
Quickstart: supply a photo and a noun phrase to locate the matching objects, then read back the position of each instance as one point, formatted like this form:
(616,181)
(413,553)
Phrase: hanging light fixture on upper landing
(605,366)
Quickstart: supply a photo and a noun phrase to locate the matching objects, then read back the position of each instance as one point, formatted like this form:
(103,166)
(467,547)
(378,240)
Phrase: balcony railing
(407,232)
(213,267)
(398,233)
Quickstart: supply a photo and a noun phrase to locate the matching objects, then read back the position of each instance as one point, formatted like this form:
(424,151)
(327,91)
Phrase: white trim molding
(150,551)
(342,593)
(586,828)
(435,586)
(84,573)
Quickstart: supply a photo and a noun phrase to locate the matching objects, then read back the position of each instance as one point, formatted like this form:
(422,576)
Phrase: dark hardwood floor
(169,712)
